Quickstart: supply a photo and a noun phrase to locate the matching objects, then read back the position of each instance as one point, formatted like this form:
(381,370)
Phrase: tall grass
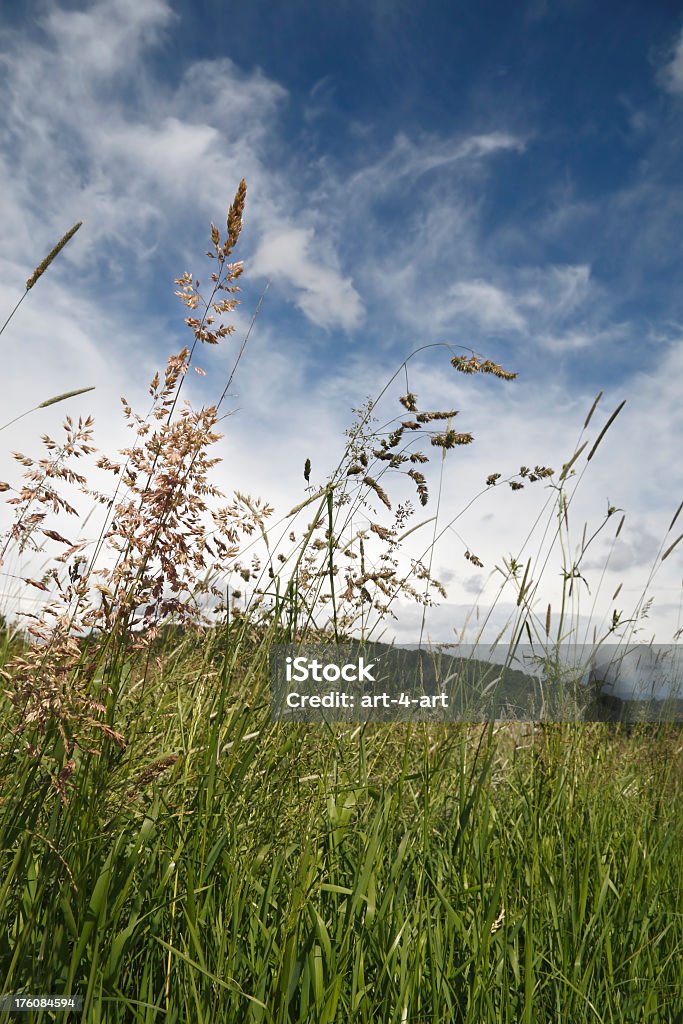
(171,854)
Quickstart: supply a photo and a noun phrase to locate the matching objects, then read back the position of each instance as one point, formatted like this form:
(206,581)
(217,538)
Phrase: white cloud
(169,154)
(326,297)
(144,167)
(583,336)
(671,75)
(408,159)
(140,163)
(532,300)
(485,145)
(109,37)
(571,285)
(488,305)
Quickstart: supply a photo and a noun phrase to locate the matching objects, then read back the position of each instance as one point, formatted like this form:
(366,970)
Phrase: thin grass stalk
(330,552)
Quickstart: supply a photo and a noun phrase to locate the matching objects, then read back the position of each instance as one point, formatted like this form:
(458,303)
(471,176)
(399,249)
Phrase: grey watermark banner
(361,682)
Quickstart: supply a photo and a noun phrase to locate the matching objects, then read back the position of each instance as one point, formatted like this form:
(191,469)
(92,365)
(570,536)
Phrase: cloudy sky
(505,178)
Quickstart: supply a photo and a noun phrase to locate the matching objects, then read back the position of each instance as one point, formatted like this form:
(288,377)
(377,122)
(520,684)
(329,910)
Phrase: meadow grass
(169,853)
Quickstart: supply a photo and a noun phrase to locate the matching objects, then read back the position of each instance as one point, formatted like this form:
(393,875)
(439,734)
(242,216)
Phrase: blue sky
(505,177)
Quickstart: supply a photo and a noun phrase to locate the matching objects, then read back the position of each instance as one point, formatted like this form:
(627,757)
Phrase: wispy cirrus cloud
(489,306)
(106,39)
(324,296)
(408,160)
(671,74)
(145,166)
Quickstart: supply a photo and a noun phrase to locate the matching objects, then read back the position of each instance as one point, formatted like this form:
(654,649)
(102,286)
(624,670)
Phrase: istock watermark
(358,682)
(351,682)
(301,669)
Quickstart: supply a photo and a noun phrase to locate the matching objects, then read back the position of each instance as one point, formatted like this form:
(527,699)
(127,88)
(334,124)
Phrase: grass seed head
(42,267)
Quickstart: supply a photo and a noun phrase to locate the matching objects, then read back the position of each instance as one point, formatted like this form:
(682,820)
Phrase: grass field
(168,853)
